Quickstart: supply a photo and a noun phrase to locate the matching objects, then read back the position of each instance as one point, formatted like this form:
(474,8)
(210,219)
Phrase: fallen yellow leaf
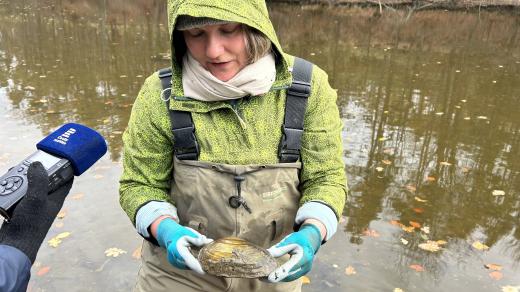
(420,200)
(509,288)
(445,163)
(114,252)
(61,214)
(63,235)
(411,188)
(56,241)
(350,271)
(371,233)
(498,193)
(479,245)
(430,246)
(441,242)
(493,267)
(398,290)
(306,280)
(77,196)
(408,228)
(417,268)
(415,224)
(404,241)
(137,253)
(387,162)
(43,271)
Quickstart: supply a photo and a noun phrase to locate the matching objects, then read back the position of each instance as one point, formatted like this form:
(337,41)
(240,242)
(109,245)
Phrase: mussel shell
(233,257)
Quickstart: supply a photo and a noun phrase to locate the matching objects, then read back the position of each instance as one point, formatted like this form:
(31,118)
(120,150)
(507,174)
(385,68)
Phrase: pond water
(429,101)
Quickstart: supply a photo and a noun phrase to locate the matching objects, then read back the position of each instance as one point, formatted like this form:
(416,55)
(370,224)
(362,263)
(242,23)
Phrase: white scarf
(254,79)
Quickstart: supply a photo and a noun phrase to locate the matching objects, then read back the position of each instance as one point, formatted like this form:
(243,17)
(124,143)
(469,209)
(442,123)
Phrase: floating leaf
(335,266)
(411,188)
(137,253)
(77,196)
(415,224)
(430,178)
(398,290)
(430,246)
(498,193)
(381,138)
(479,245)
(43,270)
(114,252)
(306,280)
(59,224)
(445,163)
(425,229)
(496,275)
(441,242)
(420,200)
(387,162)
(350,271)
(482,118)
(417,268)
(418,210)
(509,288)
(63,235)
(395,223)
(493,267)
(404,241)
(61,214)
(408,228)
(56,241)
(371,233)
(379,169)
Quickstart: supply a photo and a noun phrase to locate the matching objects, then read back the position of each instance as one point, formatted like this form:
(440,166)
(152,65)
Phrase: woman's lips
(220,65)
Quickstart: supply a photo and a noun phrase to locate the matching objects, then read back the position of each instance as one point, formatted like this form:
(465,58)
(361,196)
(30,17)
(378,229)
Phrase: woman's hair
(257,44)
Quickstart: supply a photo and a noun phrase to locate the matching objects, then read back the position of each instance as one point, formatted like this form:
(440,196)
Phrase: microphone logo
(63,138)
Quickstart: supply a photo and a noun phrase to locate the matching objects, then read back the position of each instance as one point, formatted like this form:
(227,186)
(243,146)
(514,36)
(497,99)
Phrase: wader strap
(295,105)
(185,146)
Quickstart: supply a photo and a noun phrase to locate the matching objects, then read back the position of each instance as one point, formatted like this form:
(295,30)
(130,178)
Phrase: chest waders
(254,202)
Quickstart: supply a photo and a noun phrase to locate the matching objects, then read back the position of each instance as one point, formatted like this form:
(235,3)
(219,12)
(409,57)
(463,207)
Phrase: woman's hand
(177,240)
(302,246)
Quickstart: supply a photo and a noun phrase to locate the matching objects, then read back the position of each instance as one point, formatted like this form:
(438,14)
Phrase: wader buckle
(289,148)
(299,88)
(190,150)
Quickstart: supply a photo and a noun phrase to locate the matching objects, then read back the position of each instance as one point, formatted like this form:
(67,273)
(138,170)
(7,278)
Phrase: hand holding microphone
(66,152)
(34,215)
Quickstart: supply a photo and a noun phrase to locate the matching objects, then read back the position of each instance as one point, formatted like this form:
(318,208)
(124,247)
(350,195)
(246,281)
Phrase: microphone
(68,151)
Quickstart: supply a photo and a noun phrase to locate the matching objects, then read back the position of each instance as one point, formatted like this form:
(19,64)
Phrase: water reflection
(429,103)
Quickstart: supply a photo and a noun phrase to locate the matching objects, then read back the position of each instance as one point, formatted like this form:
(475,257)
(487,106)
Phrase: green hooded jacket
(246,131)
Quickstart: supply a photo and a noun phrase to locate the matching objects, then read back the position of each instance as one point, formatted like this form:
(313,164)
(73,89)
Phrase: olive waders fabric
(201,191)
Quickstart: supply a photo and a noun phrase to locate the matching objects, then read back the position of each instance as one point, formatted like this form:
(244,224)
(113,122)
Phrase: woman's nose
(214,48)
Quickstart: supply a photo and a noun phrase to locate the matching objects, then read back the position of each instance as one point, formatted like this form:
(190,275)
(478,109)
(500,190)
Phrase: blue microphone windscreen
(79,144)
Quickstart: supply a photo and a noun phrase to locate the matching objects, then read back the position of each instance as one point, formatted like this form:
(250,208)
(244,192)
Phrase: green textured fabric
(245,131)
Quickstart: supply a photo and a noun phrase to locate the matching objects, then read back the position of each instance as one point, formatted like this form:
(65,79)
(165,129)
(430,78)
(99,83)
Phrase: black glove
(33,216)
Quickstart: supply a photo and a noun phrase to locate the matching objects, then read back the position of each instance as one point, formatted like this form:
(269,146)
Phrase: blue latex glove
(302,246)
(177,240)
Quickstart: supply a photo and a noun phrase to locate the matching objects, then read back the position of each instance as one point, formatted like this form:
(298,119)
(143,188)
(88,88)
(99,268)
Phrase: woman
(226,177)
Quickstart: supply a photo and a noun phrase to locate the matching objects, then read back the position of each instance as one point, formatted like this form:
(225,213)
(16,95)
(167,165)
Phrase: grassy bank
(417,4)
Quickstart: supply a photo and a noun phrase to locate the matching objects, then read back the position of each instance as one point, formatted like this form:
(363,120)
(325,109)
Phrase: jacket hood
(249,12)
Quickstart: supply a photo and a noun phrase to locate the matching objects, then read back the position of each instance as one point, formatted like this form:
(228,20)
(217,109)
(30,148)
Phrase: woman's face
(220,48)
